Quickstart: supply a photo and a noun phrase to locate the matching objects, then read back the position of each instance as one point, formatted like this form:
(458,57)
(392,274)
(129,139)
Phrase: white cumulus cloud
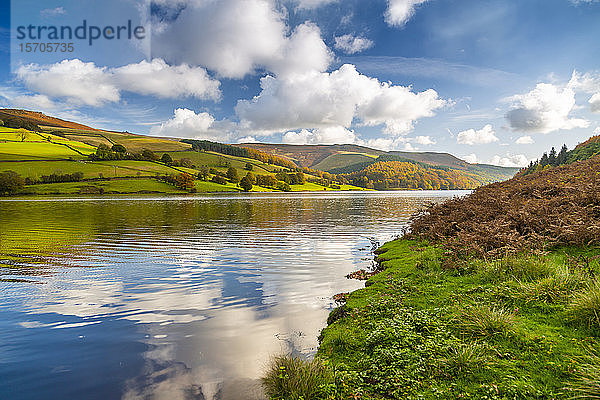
(524,140)
(484,135)
(186,124)
(312,4)
(75,80)
(424,140)
(248,139)
(594,102)
(399,12)
(238,37)
(544,109)
(471,158)
(351,44)
(303,52)
(36,102)
(589,83)
(517,160)
(320,100)
(162,80)
(327,135)
(85,83)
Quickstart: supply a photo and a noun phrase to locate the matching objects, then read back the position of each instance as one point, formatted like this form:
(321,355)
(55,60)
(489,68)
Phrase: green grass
(486,321)
(341,160)
(588,384)
(36,146)
(45,150)
(137,143)
(585,306)
(124,168)
(293,378)
(133,143)
(426,328)
(112,186)
(215,160)
(202,186)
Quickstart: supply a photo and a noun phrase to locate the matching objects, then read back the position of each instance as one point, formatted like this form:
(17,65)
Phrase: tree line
(384,175)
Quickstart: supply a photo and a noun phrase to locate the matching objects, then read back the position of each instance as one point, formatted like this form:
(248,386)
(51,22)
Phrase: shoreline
(371,337)
(222,192)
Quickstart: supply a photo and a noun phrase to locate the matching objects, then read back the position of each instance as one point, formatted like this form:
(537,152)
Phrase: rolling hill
(38,147)
(309,156)
(41,154)
(349,158)
(40,119)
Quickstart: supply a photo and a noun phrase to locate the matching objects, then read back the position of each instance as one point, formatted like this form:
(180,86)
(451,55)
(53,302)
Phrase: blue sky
(488,80)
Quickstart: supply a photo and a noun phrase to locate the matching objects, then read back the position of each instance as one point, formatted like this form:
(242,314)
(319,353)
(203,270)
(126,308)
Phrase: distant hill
(349,158)
(344,163)
(309,156)
(39,119)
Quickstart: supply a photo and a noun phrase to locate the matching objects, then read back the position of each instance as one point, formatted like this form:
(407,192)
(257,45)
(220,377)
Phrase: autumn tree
(251,177)
(232,175)
(204,171)
(166,159)
(246,184)
(184,181)
(219,179)
(10,182)
(149,155)
(119,148)
(283,186)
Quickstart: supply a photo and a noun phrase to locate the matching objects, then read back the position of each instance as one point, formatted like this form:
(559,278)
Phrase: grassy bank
(520,327)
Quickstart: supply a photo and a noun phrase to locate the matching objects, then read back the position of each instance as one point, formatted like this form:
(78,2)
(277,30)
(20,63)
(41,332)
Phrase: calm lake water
(176,298)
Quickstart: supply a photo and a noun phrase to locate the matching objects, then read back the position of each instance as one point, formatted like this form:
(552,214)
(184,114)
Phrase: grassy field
(65,150)
(39,146)
(116,186)
(202,186)
(216,160)
(521,327)
(107,169)
(342,160)
(133,143)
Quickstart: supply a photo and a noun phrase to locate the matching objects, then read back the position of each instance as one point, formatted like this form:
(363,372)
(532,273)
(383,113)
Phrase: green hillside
(45,155)
(346,159)
(564,156)
(44,150)
(341,160)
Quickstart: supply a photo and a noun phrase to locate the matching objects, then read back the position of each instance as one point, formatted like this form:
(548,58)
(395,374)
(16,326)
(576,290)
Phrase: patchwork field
(18,144)
(117,186)
(90,170)
(218,161)
(46,149)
